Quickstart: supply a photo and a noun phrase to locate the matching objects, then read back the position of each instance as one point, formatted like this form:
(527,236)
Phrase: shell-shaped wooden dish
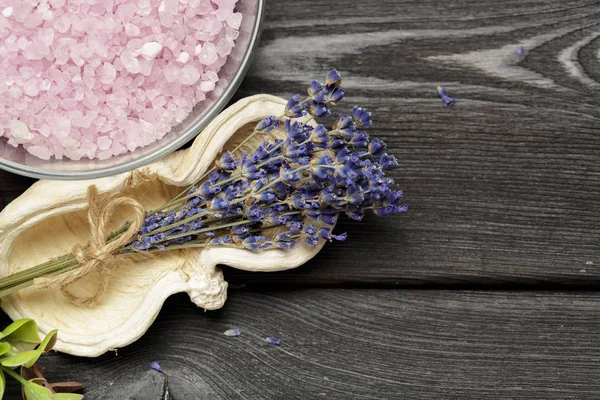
(50,218)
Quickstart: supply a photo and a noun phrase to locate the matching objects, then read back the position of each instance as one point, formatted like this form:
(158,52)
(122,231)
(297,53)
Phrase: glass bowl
(19,161)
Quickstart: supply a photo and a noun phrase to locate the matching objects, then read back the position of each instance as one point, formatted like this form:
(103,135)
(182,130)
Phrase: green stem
(34,272)
(16,376)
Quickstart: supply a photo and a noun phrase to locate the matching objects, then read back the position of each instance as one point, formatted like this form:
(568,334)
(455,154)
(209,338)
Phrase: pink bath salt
(95,79)
(40,152)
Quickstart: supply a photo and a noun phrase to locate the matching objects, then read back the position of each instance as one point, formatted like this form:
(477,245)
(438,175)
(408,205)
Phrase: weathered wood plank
(502,189)
(359,344)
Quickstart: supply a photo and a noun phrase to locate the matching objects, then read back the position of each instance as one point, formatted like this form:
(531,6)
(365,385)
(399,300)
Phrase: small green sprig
(21,346)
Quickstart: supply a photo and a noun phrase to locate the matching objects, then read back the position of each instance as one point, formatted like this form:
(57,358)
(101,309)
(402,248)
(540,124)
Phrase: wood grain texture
(502,189)
(359,344)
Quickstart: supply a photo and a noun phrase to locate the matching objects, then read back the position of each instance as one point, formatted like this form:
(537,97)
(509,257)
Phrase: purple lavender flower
(314,88)
(325,233)
(448,101)
(319,136)
(333,78)
(388,162)
(314,174)
(155,365)
(273,340)
(377,148)
(344,126)
(227,162)
(294,108)
(360,140)
(253,242)
(227,239)
(232,332)
(520,51)
(318,110)
(267,124)
(362,117)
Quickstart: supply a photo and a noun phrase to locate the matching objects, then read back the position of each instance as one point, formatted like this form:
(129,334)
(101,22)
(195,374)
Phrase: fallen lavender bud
(232,332)
(155,365)
(273,340)
(448,101)
(520,52)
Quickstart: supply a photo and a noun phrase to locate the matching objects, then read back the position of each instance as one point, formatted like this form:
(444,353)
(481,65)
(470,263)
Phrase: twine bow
(100,256)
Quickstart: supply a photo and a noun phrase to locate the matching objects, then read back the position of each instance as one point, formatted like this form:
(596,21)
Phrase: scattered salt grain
(84,80)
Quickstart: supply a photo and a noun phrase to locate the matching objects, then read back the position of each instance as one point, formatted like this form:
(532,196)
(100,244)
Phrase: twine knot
(100,256)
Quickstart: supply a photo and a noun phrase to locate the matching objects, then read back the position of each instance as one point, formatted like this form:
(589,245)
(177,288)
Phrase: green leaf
(22,330)
(26,358)
(4,347)
(48,342)
(2,384)
(33,391)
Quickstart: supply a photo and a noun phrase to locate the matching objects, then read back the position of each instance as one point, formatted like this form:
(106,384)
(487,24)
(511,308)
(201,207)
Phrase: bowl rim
(176,143)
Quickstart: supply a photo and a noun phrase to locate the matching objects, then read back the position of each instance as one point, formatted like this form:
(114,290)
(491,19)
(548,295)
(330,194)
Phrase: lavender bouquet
(283,193)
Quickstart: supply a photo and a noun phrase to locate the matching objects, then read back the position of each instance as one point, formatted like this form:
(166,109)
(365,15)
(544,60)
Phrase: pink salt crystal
(62,23)
(45,130)
(20,131)
(57,3)
(108,74)
(166,19)
(74,6)
(7,12)
(132,30)
(171,6)
(61,127)
(79,84)
(40,152)
(183,58)
(26,72)
(235,20)
(171,73)
(151,50)
(47,36)
(189,75)
(207,86)
(104,143)
(34,19)
(31,89)
(126,11)
(208,55)
(223,47)
(36,50)
(131,63)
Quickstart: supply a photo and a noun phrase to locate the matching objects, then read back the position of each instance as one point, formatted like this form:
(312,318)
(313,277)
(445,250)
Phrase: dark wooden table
(487,288)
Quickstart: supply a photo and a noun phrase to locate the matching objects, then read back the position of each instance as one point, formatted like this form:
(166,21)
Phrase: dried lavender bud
(293,108)
(273,340)
(232,332)
(448,101)
(155,365)
(520,51)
